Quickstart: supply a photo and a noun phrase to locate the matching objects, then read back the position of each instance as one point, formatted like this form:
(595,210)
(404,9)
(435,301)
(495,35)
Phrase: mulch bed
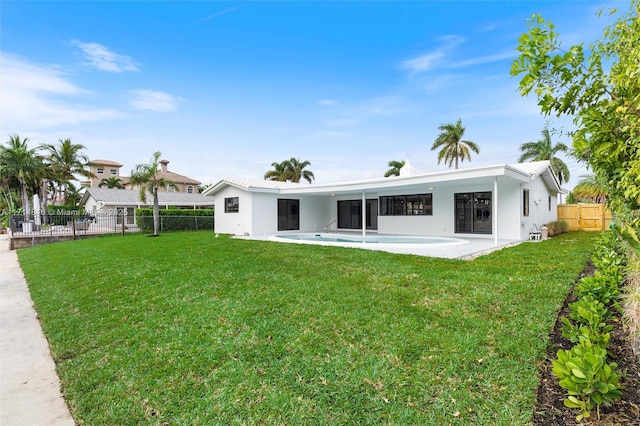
(550,409)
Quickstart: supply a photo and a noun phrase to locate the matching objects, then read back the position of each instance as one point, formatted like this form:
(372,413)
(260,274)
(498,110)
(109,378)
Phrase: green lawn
(191,329)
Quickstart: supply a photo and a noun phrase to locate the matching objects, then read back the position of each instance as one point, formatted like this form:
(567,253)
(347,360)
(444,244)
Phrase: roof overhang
(475,176)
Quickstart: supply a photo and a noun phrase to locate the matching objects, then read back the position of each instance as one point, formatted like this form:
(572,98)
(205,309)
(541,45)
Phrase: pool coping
(474,248)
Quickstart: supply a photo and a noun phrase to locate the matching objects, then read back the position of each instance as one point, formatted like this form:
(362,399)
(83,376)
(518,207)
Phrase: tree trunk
(44,202)
(26,205)
(156,212)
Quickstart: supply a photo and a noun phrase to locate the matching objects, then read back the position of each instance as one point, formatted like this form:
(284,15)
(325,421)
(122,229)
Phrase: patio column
(495,211)
(364,213)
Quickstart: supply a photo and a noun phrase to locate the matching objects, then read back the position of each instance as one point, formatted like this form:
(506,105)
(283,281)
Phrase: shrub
(589,322)
(604,288)
(177,219)
(588,379)
(557,227)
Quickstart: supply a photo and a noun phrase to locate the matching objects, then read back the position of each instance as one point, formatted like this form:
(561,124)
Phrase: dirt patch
(550,409)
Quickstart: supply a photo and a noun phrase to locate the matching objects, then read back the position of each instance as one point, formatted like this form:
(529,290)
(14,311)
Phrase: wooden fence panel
(585,217)
(570,214)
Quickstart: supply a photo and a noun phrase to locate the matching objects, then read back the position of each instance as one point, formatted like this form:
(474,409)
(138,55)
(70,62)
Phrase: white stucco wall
(233,223)
(258,211)
(314,211)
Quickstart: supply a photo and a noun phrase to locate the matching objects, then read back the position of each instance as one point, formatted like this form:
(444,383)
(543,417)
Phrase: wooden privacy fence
(585,217)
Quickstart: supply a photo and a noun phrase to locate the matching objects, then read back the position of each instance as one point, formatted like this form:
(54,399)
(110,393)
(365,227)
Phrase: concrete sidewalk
(29,385)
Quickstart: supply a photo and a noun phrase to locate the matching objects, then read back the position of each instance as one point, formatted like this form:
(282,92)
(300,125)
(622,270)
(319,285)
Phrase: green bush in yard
(557,227)
(601,287)
(589,322)
(590,382)
(177,219)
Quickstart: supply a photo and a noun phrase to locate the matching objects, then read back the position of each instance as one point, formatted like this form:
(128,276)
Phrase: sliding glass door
(473,213)
(288,215)
(350,214)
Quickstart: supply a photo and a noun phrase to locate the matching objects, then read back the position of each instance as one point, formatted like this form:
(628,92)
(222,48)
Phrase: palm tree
(146,176)
(19,162)
(290,170)
(589,189)
(279,172)
(454,149)
(544,149)
(72,194)
(395,167)
(67,160)
(296,169)
(111,182)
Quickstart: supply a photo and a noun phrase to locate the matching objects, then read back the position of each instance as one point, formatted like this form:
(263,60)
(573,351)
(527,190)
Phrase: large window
(525,202)
(402,205)
(288,215)
(231,205)
(473,213)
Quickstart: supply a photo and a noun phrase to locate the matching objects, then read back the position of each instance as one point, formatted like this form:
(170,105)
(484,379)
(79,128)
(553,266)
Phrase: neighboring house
(502,201)
(103,202)
(180,183)
(104,169)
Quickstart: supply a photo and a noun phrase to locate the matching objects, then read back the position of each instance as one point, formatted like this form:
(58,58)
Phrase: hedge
(177,219)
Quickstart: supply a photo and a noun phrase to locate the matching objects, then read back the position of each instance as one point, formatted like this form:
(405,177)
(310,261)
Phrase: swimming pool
(347,239)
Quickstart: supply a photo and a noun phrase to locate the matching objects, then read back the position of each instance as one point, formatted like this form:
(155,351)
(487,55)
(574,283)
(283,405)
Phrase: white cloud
(429,60)
(100,57)
(222,12)
(485,59)
(152,100)
(36,96)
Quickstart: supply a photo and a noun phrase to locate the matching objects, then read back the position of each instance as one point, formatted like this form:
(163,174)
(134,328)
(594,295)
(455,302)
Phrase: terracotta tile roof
(105,163)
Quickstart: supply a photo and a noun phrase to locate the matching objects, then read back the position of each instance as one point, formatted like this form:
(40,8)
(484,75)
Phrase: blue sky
(227,88)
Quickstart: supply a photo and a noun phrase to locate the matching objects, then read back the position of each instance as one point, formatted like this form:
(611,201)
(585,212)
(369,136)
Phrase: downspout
(364,213)
(495,210)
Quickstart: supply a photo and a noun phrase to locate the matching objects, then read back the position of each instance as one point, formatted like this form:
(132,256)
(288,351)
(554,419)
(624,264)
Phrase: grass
(192,329)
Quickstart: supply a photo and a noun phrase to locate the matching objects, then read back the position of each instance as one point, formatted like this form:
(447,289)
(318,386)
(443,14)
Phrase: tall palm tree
(19,162)
(453,148)
(290,170)
(544,149)
(296,168)
(146,176)
(111,182)
(67,160)
(395,167)
(589,189)
(279,173)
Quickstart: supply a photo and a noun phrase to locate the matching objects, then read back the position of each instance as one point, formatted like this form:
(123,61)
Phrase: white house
(502,201)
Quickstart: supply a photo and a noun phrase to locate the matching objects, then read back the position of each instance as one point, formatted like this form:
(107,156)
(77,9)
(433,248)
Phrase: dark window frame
(525,202)
(473,212)
(289,219)
(406,205)
(232,205)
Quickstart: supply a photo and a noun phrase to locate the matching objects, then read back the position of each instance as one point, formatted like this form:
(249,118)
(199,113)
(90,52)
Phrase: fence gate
(585,217)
